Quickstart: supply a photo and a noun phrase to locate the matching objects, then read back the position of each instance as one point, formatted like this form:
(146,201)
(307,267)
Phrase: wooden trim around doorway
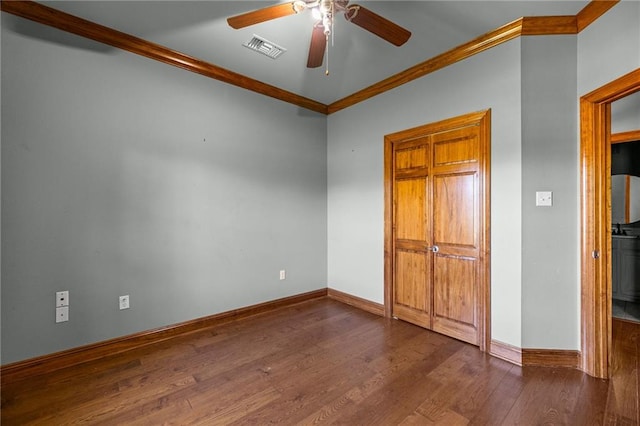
(595,217)
(623,137)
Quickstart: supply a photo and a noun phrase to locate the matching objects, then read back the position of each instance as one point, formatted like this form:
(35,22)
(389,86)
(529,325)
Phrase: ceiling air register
(265,47)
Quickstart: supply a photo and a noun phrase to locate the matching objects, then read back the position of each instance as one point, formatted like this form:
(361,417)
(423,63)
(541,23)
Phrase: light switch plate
(544,198)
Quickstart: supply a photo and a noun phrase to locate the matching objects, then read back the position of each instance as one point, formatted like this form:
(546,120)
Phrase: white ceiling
(356,60)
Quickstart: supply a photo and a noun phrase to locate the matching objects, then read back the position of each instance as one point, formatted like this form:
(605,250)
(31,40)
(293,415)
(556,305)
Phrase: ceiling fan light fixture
(326,6)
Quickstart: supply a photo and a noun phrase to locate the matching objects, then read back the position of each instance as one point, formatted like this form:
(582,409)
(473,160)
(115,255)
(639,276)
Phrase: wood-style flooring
(324,362)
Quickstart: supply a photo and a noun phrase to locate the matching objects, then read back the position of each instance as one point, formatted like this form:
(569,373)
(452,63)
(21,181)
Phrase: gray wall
(610,47)
(549,153)
(121,175)
(625,113)
(356,193)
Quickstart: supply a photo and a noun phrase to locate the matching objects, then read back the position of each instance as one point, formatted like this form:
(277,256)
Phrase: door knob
(434,249)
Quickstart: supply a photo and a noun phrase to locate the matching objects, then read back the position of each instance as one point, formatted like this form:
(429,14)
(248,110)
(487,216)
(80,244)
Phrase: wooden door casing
(595,221)
(446,164)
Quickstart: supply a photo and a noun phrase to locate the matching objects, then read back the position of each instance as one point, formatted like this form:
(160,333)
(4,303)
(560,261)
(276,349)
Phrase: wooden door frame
(595,215)
(482,119)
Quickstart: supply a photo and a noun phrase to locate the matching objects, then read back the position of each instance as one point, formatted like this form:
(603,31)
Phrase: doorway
(436,227)
(595,243)
(625,219)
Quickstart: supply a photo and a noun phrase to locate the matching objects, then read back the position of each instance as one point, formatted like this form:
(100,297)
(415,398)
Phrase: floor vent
(265,47)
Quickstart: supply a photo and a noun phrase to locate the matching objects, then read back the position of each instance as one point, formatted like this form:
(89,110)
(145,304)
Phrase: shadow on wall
(51,35)
(167,17)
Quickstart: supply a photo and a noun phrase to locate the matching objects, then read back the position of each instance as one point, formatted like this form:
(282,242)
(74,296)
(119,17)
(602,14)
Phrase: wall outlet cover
(62,314)
(62,298)
(124,302)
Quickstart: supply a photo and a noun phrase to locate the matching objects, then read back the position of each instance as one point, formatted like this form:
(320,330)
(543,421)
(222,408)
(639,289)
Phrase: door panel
(454,300)
(411,205)
(455,147)
(414,157)
(454,214)
(412,292)
(412,276)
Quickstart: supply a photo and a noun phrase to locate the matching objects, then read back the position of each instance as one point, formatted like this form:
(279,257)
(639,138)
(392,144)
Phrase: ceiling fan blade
(262,15)
(317,47)
(382,27)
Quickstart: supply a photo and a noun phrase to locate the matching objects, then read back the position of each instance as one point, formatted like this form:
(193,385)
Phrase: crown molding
(549,25)
(592,11)
(526,26)
(494,38)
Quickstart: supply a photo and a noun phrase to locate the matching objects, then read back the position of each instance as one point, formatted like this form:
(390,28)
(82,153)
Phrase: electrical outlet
(124,302)
(62,314)
(283,274)
(62,298)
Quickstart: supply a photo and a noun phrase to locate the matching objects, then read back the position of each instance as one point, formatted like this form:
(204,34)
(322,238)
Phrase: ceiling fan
(325,11)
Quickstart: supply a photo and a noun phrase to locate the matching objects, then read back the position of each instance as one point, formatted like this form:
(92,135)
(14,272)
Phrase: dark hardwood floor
(324,362)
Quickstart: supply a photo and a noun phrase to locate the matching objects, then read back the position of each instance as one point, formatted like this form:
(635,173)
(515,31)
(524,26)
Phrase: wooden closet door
(412,275)
(455,224)
(439,228)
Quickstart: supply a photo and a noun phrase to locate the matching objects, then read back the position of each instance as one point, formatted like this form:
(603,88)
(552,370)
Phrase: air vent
(265,47)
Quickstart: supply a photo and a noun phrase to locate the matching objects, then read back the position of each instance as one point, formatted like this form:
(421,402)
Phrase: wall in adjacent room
(122,175)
